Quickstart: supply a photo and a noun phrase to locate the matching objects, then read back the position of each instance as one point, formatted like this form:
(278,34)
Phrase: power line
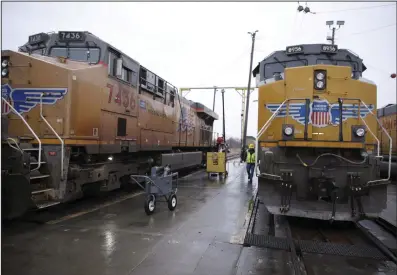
(353,9)
(371,30)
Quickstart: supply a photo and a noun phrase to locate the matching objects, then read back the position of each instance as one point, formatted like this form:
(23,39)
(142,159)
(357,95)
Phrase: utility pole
(331,23)
(213,104)
(248,93)
(223,115)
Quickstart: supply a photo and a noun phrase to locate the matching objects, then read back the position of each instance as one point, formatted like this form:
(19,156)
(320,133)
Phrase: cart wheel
(150,204)
(172,202)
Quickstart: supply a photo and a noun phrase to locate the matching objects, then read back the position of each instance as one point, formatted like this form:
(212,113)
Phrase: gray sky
(206,44)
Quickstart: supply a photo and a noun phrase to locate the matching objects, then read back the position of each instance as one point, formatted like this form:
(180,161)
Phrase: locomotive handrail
(264,128)
(53,130)
(378,149)
(16,147)
(30,129)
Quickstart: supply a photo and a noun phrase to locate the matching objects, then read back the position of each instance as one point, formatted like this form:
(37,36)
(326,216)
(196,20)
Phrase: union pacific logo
(321,113)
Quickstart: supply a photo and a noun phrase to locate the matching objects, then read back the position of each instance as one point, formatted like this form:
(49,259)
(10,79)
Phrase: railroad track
(367,240)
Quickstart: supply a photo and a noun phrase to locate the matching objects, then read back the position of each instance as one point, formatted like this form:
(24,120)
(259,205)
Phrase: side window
(160,86)
(112,63)
(172,97)
(126,74)
(121,127)
(142,76)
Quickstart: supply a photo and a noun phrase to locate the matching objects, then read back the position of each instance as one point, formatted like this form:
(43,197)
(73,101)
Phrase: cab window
(90,55)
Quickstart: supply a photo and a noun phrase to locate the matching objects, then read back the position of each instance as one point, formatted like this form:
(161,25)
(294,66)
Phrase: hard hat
(251,146)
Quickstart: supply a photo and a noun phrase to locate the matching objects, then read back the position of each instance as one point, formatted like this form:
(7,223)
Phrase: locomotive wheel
(150,204)
(172,202)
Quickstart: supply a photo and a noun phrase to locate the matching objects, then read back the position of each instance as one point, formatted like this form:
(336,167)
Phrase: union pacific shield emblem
(320,113)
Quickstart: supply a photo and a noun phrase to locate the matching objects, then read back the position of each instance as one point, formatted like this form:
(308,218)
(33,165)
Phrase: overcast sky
(206,44)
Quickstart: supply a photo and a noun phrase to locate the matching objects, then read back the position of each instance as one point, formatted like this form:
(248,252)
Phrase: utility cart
(159,184)
(216,163)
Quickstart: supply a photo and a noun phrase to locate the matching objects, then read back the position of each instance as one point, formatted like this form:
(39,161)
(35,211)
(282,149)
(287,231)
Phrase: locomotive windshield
(306,55)
(76,46)
(90,55)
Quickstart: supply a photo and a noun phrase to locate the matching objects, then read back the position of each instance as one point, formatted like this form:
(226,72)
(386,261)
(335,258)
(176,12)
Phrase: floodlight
(329,23)
(340,23)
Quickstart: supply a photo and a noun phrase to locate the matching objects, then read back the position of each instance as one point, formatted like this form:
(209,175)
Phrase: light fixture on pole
(339,23)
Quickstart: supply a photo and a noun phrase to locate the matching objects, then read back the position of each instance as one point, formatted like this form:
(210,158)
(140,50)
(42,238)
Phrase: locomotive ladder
(39,149)
(371,182)
(263,129)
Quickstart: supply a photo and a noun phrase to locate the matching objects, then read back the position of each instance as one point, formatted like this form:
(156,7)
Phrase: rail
(56,134)
(263,129)
(30,129)
(378,149)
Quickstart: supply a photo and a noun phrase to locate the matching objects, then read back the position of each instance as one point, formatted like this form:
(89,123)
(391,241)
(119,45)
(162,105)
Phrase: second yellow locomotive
(317,126)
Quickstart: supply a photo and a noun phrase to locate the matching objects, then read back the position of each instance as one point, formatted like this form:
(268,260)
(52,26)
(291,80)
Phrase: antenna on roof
(330,24)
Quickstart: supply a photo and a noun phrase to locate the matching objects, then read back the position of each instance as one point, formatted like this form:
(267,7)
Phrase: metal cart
(159,183)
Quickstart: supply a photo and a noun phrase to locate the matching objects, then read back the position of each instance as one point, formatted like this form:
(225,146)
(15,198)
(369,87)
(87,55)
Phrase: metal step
(31,149)
(39,177)
(46,204)
(36,162)
(42,191)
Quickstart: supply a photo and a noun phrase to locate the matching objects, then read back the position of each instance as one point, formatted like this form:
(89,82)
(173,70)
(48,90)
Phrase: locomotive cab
(317,141)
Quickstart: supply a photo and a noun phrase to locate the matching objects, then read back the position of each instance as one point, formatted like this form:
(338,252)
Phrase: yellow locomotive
(79,116)
(317,145)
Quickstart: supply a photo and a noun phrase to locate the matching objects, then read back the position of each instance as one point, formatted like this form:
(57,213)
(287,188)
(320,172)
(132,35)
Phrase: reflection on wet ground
(202,236)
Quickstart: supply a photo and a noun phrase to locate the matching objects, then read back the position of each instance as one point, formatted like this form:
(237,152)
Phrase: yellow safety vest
(250,157)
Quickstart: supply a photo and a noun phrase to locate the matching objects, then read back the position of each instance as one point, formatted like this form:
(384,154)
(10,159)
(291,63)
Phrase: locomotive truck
(79,117)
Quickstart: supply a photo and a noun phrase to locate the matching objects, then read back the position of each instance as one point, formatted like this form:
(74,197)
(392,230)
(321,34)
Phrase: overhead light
(320,76)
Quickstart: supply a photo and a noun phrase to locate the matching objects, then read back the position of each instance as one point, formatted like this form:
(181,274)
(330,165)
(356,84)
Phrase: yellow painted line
(68,217)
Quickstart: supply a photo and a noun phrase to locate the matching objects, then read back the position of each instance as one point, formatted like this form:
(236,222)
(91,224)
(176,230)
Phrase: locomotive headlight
(320,84)
(320,76)
(4,72)
(4,63)
(360,132)
(288,131)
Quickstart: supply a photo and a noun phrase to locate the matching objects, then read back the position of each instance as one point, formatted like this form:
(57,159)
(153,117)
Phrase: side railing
(376,138)
(30,129)
(263,129)
(55,133)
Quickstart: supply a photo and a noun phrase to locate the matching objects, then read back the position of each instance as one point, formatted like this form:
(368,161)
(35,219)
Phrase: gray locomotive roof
(203,109)
(310,55)
(389,109)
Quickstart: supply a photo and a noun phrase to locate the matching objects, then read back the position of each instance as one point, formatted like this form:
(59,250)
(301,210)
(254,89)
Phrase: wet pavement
(204,235)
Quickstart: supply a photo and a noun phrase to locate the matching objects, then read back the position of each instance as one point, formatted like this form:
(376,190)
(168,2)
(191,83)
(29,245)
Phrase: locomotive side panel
(28,78)
(388,118)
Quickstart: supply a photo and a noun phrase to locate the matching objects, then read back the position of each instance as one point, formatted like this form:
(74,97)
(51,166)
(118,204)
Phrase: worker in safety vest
(250,160)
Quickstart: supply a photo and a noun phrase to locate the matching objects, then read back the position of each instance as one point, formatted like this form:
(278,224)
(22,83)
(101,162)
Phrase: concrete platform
(389,214)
